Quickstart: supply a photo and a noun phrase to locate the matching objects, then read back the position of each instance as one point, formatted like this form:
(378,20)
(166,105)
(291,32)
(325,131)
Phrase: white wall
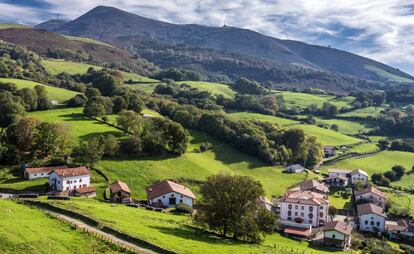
(165,199)
(338,174)
(359,178)
(338,235)
(297,211)
(372,198)
(378,222)
(37,175)
(69,183)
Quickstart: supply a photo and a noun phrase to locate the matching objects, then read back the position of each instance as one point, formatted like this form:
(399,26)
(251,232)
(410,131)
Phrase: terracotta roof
(338,170)
(370,208)
(339,226)
(119,186)
(358,171)
(85,190)
(400,225)
(42,169)
(304,197)
(370,190)
(161,188)
(313,185)
(297,231)
(69,172)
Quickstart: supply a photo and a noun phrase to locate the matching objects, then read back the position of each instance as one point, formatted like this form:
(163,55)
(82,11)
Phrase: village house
(71,181)
(40,172)
(337,181)
(400,229)
(335,172)
(371,217)
(337,234)
(169,194)
(329,151)
(295,168)
(303,209)
(353,176)
(315,186)
(119,192)
(371,195)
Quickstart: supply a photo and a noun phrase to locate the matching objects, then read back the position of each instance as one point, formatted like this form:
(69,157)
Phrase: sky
(379,29)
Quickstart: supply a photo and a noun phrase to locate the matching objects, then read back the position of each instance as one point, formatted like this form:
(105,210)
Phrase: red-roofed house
(371,195)
(69,179)
(120,192)
(371,217)
(337,234)
(169,194)
(41,172)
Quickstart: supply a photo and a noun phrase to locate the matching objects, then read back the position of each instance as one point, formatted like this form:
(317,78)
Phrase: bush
(183,209)
(205,147)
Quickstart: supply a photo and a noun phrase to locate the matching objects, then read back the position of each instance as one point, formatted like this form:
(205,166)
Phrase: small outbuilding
(39,172)
(295,168)
(119,192)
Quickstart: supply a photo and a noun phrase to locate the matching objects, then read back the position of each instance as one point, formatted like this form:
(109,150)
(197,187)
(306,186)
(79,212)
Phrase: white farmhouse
(359,176)
(337,234)
(295,168)
(69,179)
(371,195)
(303,207)
(41,172)
(169,194)
(371,217)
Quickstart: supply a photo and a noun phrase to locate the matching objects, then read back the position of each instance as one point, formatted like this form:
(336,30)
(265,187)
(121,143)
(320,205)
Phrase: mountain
(109,24)
(51,24)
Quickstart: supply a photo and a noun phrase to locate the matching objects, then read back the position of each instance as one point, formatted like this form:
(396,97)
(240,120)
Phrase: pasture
(176,232)
(363,112)
(325,136)
(345,126)
(28,230)
(386,74)
(54,93)
(213,88)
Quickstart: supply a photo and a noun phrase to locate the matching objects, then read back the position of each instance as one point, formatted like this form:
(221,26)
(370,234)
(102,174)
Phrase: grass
(401,200)
(364,148)
(176,233)
(11,178)
(27,230)
(325,136)
(54,93)
(138,78)
(363,112)
(6,26)
(77,124)
(386,74)
(87,40)
(304,100)
(345,126)
(213,88)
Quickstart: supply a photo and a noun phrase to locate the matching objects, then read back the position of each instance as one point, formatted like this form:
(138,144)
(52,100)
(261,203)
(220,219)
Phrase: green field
(325,136)
(304,100)
(386,74)
(54,93)
(77,124)
(176,233)
(11,178)
(213,88)
(83,39)
(345,126)
(364,148)
(363,112)
(27,230)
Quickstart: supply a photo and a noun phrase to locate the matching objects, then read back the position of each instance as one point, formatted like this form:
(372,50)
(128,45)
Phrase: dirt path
(81,225)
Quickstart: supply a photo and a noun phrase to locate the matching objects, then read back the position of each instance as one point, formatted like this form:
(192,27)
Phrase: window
(181,200)
(333,236)
(159,200)
(172,201)
(302,207)
(289,218)
(80,180)
(172,195)
(372,223)
(310,216)
(310,221)
(68,182)
(321,207)
(163,196)
(75,181)
(35,174)
(182,196)
(378,224)
(296,213)
(311,208)
(302,214)
(289,213)
(321,214)
(290,207)
(366,222)
(296,207)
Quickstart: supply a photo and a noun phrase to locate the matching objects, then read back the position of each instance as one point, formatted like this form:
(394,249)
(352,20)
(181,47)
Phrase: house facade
(359,176)
(371,195)
(353,176)
(295,168)
(335,172)
(40,172)
(119,192)
(371,217)
(303,208)
(169,194)
(337,181)
(337,234)
(69,179)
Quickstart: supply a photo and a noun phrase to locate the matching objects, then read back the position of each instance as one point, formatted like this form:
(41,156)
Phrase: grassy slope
(345,126)
(27,230)
(174,232)
(54,93)
(83,39)
(325,136)
(79,126)
(12,179)
(304,100)
(213,88)
(363,112)
(386,74)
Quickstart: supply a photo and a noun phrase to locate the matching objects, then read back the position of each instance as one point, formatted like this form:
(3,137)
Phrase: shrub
(205,146)
(183,209)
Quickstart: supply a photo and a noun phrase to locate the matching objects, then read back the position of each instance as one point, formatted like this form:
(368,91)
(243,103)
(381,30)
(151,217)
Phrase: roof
(338,170)
(119,186)
(42,169)
(400,225)
(370,190)
(358,171)
(161,188)
(295,167)
(69,172)
(369,208)
(304,197)
(85,190)
(339,226)
(312,184)
(297,231)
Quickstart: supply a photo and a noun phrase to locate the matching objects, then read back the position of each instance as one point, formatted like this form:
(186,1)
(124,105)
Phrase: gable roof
(369,208)
(400,225)
(358,171)
(69,172)
(40,170)
(338,170)
(161,188)
(304,197)
(339,226)
(85,190)
(370,190)
(119,186)
(313,185)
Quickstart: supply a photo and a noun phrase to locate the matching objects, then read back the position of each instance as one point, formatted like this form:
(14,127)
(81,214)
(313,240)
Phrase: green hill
(54,93)
(213,88)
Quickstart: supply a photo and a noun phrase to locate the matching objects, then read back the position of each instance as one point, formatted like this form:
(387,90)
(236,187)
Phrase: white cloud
(383,30)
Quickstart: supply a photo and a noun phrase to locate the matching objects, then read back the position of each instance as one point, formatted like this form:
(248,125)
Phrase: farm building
(371,195)
(354,176)
(69,179)
(85,192)
(329,151)
(315,186)
(371,217)
(169,194)
(337,234)
(337,181)
(41,172)
(295,168)
(400,229)
(119,192)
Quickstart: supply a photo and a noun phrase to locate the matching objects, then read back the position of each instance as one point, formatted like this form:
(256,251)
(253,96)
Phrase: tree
(110,144)
(42,100)
(383,144)
(94,109)
(78,100)
(130,121)
(89,152)
(391,175)
(376,178)
(92,92)
(334,127)
(132,145)
(10,110)
(29,98)
(107,84)
(24,134)
(399,170)
(51,140)
(135,103)
(120,104)
(229,206)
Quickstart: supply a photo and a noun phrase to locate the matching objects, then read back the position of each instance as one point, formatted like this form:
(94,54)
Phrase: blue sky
(382,30)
